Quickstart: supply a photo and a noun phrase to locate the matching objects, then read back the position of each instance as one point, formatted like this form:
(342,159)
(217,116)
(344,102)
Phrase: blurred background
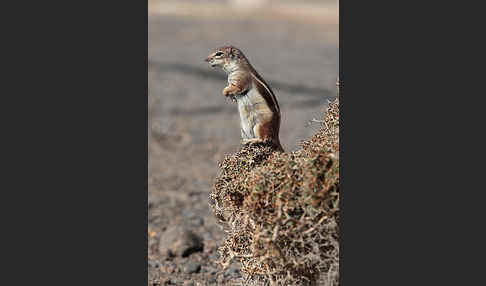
(293,44)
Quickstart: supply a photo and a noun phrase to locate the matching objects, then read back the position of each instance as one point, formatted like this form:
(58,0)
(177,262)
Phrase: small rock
(233,272)
(168,268)
(220,279)
(191,267)
(188,283)
(211,270)
(212,279)
(179,241)
(197,221)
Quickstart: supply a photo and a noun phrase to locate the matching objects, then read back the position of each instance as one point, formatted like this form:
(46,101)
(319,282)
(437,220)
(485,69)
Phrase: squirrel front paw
(232,90)
(226,91)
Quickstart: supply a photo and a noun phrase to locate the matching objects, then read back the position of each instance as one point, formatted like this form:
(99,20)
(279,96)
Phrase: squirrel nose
(207,59)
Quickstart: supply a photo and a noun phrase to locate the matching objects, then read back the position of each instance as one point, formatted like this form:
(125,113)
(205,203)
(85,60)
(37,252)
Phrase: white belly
(252,108)
(247,117)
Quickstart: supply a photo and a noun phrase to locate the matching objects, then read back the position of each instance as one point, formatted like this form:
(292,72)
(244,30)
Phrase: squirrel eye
(218,54)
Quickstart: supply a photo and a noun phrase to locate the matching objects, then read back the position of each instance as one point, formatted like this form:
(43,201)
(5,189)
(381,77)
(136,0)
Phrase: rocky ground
(191,126)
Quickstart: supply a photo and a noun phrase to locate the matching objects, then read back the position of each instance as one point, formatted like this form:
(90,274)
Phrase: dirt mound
(281,210)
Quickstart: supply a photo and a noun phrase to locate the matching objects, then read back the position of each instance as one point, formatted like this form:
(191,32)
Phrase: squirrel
(257,104)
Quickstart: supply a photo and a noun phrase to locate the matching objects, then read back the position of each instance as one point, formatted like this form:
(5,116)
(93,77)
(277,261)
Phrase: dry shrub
(280,210)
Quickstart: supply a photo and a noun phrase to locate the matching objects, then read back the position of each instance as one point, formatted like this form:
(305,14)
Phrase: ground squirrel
(258,106)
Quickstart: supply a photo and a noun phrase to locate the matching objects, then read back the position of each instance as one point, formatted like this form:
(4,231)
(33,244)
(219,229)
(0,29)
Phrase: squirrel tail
(278,146)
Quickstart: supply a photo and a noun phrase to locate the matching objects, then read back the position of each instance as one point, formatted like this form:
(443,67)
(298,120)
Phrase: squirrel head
(226,57)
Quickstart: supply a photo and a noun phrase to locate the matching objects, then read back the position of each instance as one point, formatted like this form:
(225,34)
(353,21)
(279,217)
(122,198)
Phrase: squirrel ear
(233,53)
